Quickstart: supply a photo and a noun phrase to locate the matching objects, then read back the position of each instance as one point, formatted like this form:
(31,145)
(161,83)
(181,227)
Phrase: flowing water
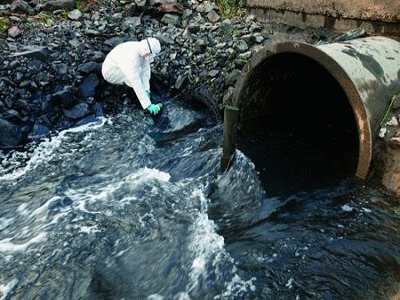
(135,208)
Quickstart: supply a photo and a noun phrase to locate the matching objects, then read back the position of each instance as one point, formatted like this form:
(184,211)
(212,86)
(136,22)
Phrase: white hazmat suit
(129,63)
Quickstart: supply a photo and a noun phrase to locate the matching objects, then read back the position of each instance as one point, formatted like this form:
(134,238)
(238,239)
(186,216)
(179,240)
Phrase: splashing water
(126,209)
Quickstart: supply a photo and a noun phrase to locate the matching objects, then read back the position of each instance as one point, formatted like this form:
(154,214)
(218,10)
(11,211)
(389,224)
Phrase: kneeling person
(129,63)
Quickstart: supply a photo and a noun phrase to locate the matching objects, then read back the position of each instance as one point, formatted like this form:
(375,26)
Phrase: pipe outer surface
(367,69)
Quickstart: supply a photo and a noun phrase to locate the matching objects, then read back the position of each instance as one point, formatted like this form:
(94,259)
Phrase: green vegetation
(229,8)
(388,111)
(3,26)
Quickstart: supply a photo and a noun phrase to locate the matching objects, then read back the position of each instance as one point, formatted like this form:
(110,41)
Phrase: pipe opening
(297,125)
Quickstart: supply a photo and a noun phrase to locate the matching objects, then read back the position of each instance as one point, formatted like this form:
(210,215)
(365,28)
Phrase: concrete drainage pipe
(329,90)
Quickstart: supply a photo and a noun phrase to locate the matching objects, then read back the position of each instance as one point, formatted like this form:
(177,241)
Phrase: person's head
(150,48)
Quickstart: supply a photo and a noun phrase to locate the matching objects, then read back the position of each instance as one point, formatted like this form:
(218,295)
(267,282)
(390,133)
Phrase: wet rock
(87,87)
(87,120)
(78,111)
(65,98)
(98,111)
(10,134)
(39,131)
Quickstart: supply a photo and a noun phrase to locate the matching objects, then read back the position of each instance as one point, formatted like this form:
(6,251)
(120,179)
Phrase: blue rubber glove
(154,109)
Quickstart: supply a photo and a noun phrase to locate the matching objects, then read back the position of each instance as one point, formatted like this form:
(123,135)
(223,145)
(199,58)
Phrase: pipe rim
(338,73)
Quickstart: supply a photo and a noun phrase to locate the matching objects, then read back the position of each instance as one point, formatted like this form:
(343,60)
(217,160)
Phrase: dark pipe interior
(297,125)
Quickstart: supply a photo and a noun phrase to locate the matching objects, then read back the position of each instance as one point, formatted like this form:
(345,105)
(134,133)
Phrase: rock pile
(51,53)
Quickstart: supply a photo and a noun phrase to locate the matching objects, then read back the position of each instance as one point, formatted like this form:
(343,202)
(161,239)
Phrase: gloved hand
(148,94)
(154,109)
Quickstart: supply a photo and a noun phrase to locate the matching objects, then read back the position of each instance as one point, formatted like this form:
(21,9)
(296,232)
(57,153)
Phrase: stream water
(135,208)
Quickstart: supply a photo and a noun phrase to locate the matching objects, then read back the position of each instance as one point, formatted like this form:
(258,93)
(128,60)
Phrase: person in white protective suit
(129,63)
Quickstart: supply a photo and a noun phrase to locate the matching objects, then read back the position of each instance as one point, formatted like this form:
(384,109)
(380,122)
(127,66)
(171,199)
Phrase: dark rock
(130,23)
(164,40)
(98,56)
(64,202)
(232,77)
(87,120)
(200,46)
(114,41)
(87,87)
(88,67)
(241,46)
(78,111)
(10,134)
(40,53)
(57,4)
(171,19)
(98,111)
(180,81)
(21,6)
(65,98)
(35,65)
(39,131)
(61,68)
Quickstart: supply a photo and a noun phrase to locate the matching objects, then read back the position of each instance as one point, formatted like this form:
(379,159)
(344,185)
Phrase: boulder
(56,5)
(10,134)
(39,131)
(78,111)
(65,98)
(87,87)
(21,6)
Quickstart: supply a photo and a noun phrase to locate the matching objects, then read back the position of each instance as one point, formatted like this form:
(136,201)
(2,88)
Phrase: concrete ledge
(342,15)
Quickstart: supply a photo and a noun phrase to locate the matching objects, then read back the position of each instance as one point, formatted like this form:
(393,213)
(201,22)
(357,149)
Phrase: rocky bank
(51,54)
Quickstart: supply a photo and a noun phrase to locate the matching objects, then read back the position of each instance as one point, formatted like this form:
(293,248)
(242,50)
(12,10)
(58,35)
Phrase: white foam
(86,196)
(208,247)
(5,289)
(205,242)
(6,245)
(43,152)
